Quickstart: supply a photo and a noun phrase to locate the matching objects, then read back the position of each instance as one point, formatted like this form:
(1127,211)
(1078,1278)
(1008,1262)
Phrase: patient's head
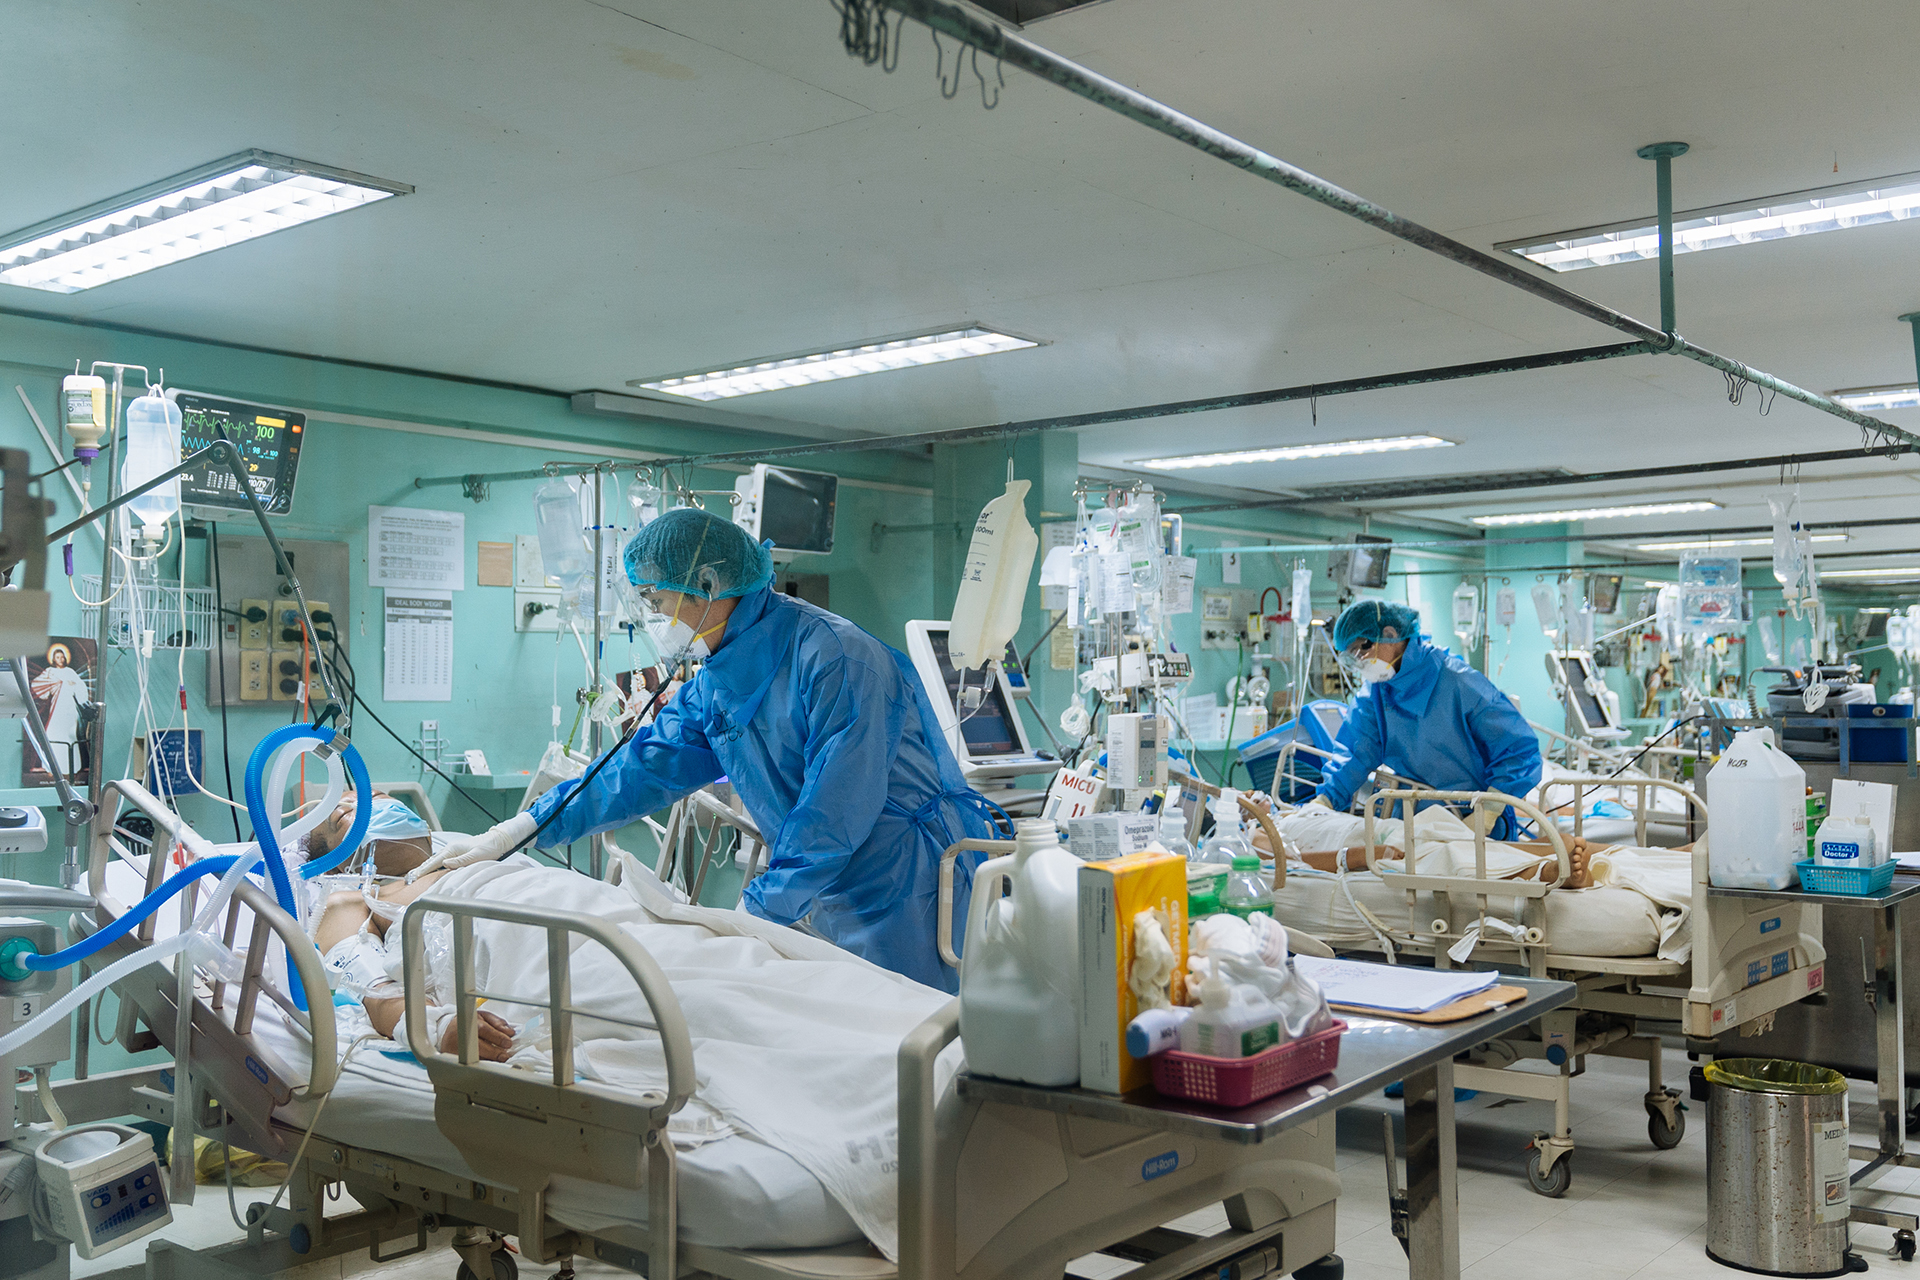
(396,837)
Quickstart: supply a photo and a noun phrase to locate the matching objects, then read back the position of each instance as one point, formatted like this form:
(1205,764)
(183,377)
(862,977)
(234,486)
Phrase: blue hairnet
(698,553)
(1369,619)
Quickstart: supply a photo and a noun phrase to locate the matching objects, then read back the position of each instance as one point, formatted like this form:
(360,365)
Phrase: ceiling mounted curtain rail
(972,28)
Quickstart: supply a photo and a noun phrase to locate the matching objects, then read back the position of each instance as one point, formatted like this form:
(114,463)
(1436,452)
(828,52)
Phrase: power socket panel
(253,635)
(253,676)
(250,579)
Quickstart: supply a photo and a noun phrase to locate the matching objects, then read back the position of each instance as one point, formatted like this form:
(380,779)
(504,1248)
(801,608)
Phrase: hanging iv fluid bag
(1788,550)
(1770,640)
(1546,605)
(565,555)
(1302,599)
(1503,606)
(1466,614)
(153,447)
(993,585)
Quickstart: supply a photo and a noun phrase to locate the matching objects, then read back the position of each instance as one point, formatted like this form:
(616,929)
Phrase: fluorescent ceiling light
(1879,399)
(1295,452)
(224,203)
(826,366)
(1595,513)
(1911,571)
(1796,213)
(1714,544)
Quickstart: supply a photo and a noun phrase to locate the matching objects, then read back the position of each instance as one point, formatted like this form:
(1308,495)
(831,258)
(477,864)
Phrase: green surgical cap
(1369,620)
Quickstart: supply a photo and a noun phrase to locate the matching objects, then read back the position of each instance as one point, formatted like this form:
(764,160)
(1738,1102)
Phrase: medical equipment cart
(1375,1053)
(1885,993)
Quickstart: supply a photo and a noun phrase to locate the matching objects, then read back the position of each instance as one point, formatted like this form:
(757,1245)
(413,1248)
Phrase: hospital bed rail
(249,1081)
(1691,815)
(1483,808)
(513,1130)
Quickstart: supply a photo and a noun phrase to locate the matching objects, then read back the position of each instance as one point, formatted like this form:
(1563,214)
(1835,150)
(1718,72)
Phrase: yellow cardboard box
(1112,894)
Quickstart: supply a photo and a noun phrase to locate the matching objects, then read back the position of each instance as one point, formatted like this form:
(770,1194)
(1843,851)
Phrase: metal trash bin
(1777,1190)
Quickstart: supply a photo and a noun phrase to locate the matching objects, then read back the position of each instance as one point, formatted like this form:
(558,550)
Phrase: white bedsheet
(735,1193)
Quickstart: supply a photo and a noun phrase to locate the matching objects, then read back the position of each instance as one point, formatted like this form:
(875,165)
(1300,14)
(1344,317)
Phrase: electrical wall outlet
(283,675)
(253,675)
(253,635)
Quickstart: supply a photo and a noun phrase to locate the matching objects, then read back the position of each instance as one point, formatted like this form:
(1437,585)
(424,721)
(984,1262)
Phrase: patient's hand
(495,1032)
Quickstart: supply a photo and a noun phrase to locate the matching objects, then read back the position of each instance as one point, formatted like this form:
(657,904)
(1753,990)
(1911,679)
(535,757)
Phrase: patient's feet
(1580,851)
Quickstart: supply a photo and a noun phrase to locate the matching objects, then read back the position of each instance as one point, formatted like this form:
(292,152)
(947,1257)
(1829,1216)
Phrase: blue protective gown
(829,738)
(1441,723)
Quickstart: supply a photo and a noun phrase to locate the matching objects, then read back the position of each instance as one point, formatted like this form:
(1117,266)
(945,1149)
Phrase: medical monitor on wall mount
(1363,568)
(793,509)
(269,441)
(1603,592)
(991,741)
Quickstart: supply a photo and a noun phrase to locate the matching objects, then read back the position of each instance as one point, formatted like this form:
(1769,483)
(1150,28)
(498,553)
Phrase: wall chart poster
(414,549)
(419,647)
(62,680)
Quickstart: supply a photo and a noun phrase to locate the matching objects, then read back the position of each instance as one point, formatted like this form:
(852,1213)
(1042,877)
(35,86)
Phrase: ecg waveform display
(269,443)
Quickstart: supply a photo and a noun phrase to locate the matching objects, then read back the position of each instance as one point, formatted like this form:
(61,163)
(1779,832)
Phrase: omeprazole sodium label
(1830,1170)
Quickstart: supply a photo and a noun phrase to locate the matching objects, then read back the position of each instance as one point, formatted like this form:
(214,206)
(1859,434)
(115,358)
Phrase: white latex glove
(1321,801)
(489,846)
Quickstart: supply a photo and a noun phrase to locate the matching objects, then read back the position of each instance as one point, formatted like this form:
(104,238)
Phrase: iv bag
(153,447)
(1770,641)
(1546,604)
(1302,598)
(643,504)
(1710,594)
(1503,606)
(565,555)
(1466,613)
(993,585)
(1784,505)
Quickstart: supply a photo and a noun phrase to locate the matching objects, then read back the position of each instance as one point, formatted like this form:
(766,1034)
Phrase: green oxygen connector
(13,958)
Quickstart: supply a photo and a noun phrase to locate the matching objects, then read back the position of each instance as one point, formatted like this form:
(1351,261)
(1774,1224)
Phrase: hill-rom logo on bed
(1159,1166)
(1768,926)
(259,1072)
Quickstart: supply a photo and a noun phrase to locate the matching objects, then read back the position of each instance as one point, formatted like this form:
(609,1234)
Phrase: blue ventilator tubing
(18,958)
(264,826)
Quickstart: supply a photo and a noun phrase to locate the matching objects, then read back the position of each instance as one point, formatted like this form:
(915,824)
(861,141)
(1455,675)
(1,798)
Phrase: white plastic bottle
(1756,814)
(1173,834)
(153,447)
(1228,840)
(1847,842)
(1020,971)
(1219,1028)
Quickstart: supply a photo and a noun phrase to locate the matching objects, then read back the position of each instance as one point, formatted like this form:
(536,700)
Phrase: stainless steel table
(1374,1053)
(1884,993)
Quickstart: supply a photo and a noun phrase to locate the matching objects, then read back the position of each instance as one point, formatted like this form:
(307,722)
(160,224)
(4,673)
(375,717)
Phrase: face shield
(1362,665)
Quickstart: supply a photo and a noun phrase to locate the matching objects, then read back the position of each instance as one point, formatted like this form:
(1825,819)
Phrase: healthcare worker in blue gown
(1426,715)
(825,733)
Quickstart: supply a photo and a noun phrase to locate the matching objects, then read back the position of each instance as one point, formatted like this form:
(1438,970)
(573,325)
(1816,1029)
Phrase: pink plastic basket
(1239,1082)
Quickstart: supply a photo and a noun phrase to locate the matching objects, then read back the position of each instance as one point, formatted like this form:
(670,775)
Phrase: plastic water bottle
(1020,973)
(1756,815)
(1227,841)
(153,447)
(1247,890)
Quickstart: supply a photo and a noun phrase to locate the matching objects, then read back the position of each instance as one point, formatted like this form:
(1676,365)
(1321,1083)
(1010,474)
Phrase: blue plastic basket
(1854,881)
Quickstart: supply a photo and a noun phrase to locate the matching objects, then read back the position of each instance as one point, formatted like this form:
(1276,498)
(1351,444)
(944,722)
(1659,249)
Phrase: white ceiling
(609,191)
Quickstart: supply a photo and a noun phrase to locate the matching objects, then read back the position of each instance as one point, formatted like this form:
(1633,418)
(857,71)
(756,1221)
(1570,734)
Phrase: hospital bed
(1746,961)
(576,1168)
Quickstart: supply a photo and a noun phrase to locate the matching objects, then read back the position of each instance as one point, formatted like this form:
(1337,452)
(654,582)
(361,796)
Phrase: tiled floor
(1633,1212)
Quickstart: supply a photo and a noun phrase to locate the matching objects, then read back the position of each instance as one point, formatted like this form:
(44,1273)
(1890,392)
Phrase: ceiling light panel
(1593,513)
(1714,544)
(1911,571)
(828,366)
(1295,452)
(1879,399)
(1797,213)
(225,203)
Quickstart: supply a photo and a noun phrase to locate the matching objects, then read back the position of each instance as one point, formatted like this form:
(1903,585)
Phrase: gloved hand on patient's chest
(489,846)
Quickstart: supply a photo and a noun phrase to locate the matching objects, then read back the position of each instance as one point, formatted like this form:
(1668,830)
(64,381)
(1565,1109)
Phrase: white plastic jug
(1756,815)
(1847,842)
(1020,972)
